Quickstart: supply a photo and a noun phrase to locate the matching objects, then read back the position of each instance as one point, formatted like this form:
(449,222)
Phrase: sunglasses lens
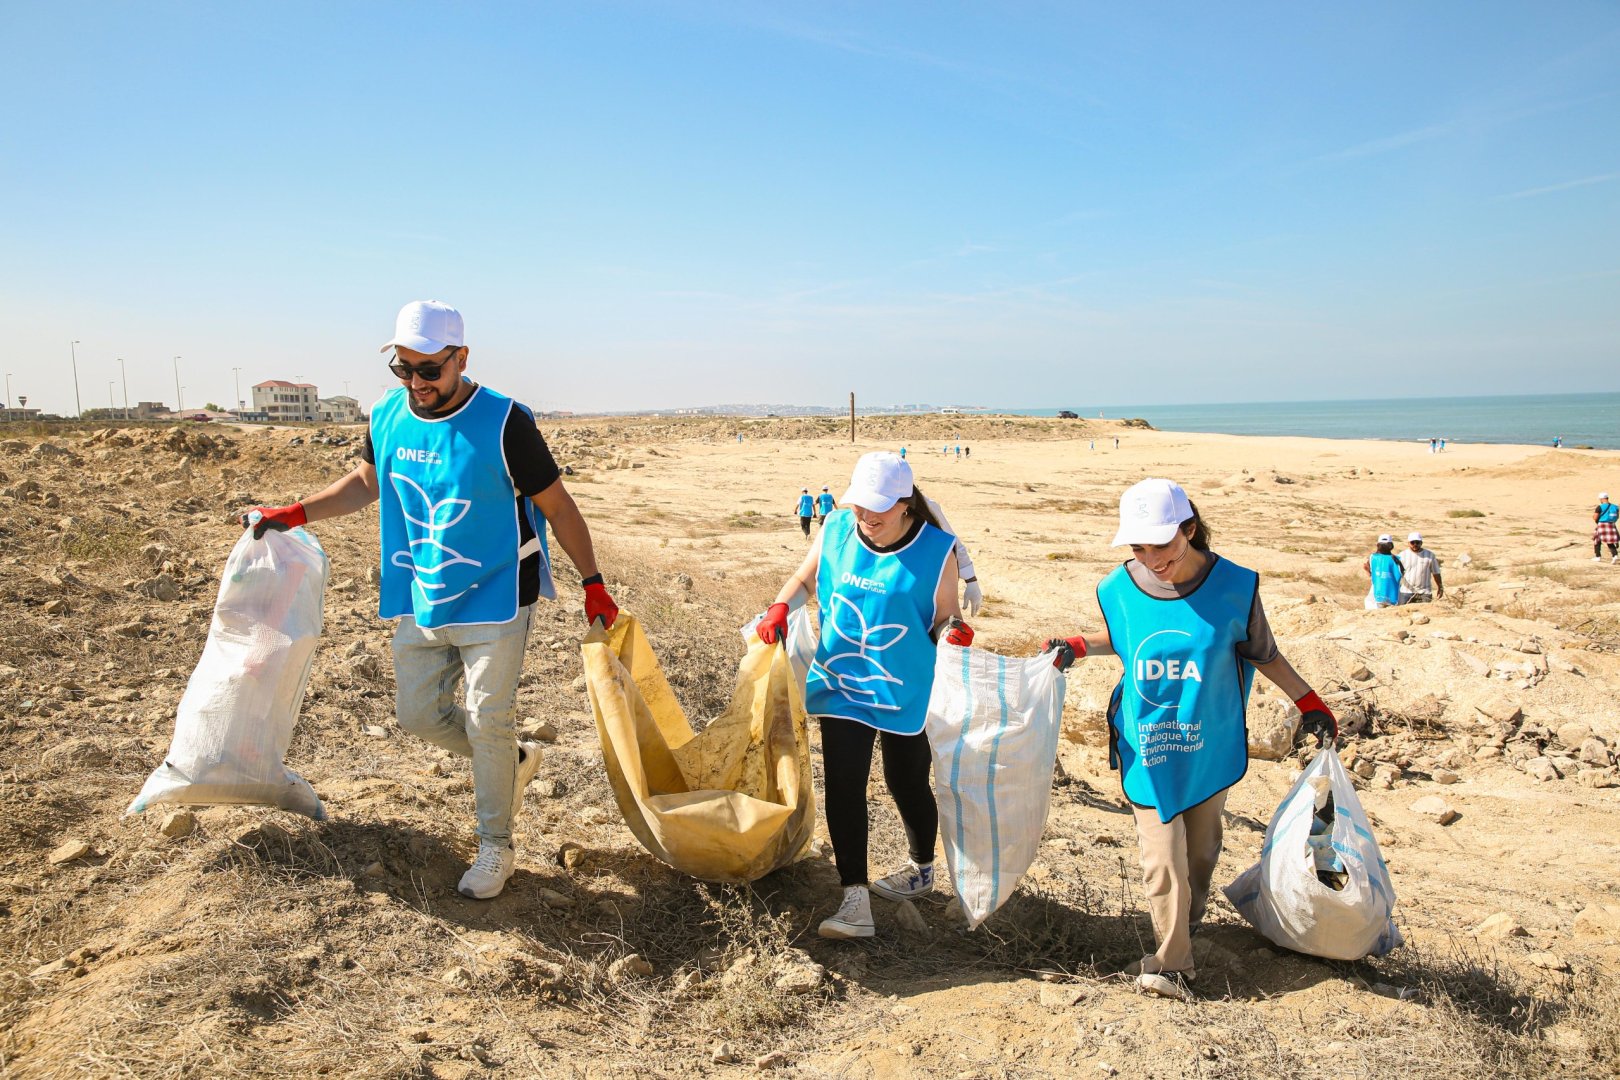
(405,372)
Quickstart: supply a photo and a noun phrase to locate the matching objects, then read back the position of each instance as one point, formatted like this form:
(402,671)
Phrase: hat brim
(868,500)
(1415,538)
(1145,534)
(415,343)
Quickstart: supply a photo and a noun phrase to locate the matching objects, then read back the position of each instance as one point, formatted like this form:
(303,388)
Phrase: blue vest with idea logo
(449,513)
(875,660)
(1176,722)
(826,504)
(1386,573)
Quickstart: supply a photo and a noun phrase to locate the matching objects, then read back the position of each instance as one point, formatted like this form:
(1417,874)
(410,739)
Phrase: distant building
(287,402)
(12,413)
(341,409)
(149,410)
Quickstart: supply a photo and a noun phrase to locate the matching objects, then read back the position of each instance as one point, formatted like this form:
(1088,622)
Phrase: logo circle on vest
(1157,673)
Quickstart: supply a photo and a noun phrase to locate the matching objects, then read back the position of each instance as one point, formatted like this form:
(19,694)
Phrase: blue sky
(644,205)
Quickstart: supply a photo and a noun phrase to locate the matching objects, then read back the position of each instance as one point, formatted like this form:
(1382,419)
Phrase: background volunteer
(884,575)
(1178,615)
(1385,570)
(460,471)
(1605,531)
(1420,573)
(806,509)
(825,504)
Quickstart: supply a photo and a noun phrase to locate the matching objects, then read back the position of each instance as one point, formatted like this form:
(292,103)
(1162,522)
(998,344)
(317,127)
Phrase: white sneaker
(487,876)
(854,918)
(1597,558)
(1168,984)
(1614,559)
(906,883)
(528,765)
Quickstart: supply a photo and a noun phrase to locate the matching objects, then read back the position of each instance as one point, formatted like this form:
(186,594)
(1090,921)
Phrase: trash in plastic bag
(993,726)
(236,718)
(1332,899)
(732,803)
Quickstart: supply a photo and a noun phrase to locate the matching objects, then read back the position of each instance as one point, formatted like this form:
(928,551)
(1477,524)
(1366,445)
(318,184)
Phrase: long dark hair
(917,506)
(1198,538)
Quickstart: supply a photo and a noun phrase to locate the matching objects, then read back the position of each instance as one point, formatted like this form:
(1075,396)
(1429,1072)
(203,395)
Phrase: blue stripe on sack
(990,780)
(956,774)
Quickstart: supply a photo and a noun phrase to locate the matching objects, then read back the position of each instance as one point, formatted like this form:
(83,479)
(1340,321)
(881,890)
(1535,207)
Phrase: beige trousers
(1178,860)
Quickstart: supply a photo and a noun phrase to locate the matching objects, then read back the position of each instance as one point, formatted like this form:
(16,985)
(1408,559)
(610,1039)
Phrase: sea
(1589,420)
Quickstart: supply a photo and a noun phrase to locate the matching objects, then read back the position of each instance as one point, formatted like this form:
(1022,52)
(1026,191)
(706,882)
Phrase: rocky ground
(248,942)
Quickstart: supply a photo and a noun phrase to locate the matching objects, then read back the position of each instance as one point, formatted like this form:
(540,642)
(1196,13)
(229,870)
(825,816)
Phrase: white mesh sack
(236,718)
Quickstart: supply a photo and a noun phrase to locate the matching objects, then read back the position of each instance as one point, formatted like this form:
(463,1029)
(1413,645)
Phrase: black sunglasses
(429,371)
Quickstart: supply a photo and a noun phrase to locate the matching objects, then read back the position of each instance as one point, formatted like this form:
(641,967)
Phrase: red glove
(1316,719)
(599,605)
(1068,651)
(773,627)
(278,518)
(958,632)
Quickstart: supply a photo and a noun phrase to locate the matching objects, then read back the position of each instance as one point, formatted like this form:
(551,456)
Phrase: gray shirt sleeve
(1261,648)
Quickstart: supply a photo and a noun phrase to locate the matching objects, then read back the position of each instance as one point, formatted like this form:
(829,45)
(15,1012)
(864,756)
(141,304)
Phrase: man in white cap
(467,487)
(1420,578)
(1605,530)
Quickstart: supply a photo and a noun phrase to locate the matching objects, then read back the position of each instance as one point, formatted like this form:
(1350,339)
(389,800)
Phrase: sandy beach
(1499,699)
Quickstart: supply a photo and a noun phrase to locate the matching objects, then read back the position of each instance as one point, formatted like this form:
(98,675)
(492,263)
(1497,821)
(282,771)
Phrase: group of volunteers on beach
(468,492)
(1411,577)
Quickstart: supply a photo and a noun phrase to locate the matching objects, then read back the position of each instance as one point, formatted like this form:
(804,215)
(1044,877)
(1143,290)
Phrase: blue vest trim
(1177,718)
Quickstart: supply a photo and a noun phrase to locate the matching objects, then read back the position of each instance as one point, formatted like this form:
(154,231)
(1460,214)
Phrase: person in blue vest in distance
(1605,515)
(467,487)
(806,509)
(1386,571)
(884,576)
(1190,630)
(825,504)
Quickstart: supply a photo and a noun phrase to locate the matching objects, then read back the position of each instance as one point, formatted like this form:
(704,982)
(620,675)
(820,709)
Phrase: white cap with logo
(880,480)
(1386,539)
(427,326)
(1415,537)
(1151,512)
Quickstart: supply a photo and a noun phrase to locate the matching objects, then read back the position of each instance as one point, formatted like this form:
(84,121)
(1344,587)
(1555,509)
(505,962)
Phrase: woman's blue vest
(875,660)
(449,513)
(1177,720)
(1386,573)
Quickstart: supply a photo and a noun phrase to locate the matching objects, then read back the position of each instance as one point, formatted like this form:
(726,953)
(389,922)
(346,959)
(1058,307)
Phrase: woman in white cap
(1191,632)
(1386,571)
(884,575)
(1605,531)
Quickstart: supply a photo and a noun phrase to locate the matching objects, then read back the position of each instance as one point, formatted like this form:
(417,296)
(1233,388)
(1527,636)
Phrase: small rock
(1559,662)
(1107,1069)
(1599,778)
(722,1054)
(559,902)
(71,851)
(179,824)
(55,967)
(908,918)
(416,1035)
(1444,776)
(1594,752)
(1465,559)
(801,978)
(373,575)
(1473,663)
(374,870)
(1384,777)
(773,1060)
(1574,733)
(1435,809)
(1599,921)
(1362,673)
(458,977)
(578,684)
(543,731)
(1540,768)
(570,856)
(1548,961)
(595,815)
(629,967)
(162,587)
(1364,767)
(1498,710)
(1445,635)
(376,731)
(1499,926)
(1419,620)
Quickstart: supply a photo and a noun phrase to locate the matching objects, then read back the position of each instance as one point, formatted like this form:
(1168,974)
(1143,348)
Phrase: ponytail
(1198,538)
(917,506)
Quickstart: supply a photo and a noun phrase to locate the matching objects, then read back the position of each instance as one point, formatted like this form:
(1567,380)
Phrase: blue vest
(1176,722)
(1608,511)
(805,505)
(449,513)
(825,503)
(875,661)
(1386,573)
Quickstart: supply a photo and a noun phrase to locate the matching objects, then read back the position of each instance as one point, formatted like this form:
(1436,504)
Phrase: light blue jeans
(428,664)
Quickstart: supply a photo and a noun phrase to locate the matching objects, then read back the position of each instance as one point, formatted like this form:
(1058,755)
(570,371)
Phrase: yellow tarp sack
(731,803)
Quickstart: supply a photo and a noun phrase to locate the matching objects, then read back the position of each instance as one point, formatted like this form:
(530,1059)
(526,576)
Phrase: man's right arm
(356,491)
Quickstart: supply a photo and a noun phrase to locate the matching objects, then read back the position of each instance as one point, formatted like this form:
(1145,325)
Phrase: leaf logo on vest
(858,673)
(432,562)
(1158,674)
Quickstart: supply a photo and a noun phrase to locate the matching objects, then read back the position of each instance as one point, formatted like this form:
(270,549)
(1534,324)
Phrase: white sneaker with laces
(488,874)
(528,765)
(906,883)
(854,918)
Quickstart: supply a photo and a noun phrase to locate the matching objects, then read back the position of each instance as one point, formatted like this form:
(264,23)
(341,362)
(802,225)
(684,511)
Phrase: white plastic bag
(1282,894)
(801,640)
(993,727)
(236,718)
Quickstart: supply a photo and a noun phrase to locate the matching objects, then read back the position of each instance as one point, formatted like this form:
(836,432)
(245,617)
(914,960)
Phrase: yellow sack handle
(731,803)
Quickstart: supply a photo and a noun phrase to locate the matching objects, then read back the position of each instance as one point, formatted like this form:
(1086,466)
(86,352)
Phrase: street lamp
(111,408)
(8,390)
(179,391)
(73,353)
(125,376)
(239,403)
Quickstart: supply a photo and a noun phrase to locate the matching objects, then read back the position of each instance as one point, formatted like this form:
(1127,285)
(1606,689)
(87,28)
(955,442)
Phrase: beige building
(341,410)
(287,402)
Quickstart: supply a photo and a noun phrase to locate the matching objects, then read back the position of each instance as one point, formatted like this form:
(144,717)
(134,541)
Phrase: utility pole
(125,376)
(239,402)
(111,408)
(73,353)
(852,416)
(179,394)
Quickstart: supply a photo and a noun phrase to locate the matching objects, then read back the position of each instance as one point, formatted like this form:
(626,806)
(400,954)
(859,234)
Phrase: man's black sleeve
(528,458)
(366,452)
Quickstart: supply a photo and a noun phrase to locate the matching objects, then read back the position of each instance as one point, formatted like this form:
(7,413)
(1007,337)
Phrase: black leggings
(846,756)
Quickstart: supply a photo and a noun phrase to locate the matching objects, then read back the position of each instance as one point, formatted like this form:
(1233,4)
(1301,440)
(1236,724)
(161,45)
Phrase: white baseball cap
(1603,494)
(880,480)
(427,326)
(1414,536)
(1151,512)
(1386,539)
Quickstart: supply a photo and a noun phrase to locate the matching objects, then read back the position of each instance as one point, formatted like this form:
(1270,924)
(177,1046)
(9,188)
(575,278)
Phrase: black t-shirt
(530,465)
